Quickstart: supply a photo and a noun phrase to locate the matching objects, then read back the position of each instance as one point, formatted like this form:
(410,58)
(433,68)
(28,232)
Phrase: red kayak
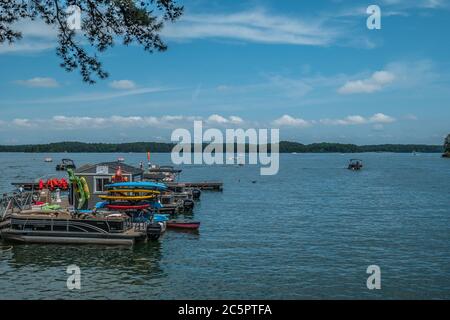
(127,207)
(181,224)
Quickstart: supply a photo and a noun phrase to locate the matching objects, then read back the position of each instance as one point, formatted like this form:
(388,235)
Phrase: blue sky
(310,68)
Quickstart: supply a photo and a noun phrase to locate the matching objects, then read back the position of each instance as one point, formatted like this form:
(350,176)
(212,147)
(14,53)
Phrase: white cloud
(215,118)
(104,122)
(100,96)
(26,46)
(37,36)
(350,120)
(378,118)
(61,122)
(413,74)
(253,26)
(122,84)
(290,121)
(82,122)
(24,123)
(39,82)
(433,4)
(377,81)
(173,118)
(403,75)
(417,4)
(36,29)
(381,118)
(236,120)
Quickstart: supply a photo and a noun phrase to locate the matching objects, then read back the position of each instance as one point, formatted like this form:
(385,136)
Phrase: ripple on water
(308,232)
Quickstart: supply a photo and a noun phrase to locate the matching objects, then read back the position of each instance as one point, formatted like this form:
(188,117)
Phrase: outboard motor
(188,205)
(196,194)
(153,231)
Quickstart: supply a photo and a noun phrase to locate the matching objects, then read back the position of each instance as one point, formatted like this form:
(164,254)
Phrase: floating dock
(28,186)
(205,185)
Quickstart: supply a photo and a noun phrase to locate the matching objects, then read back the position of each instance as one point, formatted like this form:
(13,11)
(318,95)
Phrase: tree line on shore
(284,147)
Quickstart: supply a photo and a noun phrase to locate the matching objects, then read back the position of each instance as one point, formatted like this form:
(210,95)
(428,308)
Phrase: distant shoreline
(156,147)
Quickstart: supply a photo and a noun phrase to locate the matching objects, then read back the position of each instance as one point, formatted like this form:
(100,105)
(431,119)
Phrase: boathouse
(99,175)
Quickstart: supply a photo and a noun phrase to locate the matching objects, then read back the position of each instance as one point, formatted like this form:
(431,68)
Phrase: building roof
(112,168)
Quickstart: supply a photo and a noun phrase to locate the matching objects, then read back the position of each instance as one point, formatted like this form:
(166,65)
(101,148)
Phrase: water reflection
(288,236)
(142,259)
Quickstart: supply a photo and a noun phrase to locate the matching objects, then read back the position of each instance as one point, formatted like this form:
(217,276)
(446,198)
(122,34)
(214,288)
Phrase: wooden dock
(202,185)
(27,186)
(205,185)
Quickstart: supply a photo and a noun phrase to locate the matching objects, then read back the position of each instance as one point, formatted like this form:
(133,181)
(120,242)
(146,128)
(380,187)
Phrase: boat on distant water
(65,164)
(355,164)
(446,147)
(161,173)
(121,159)
(48,159)
(168,175)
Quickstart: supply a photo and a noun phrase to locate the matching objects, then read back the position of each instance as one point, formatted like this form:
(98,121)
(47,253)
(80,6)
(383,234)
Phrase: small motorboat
(355,164)
(188,204)
(446,153)
(196,193)
(65,164)
(183,224)
(120,159)
(48,160)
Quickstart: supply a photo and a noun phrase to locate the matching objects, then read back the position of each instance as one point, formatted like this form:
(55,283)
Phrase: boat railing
(140,226)
(16,201)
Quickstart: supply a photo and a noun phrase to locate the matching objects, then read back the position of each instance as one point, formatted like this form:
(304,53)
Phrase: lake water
(309,232)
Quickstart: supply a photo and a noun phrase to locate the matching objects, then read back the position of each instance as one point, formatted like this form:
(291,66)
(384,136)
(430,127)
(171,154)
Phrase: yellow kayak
(127,198)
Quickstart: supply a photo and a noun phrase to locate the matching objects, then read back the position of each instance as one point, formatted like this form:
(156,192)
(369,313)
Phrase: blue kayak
(160,218)
(138,185)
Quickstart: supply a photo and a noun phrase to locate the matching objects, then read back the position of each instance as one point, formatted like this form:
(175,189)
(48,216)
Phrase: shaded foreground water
(309,232)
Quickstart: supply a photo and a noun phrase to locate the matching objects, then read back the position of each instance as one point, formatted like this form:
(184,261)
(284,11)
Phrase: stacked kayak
(132,195)
(137,196)
(160,217)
